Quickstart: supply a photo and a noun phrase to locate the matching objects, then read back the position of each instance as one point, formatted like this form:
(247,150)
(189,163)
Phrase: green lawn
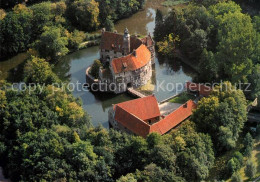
(170,3)
(182,98)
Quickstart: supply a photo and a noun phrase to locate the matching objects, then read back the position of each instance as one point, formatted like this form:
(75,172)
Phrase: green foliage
(248,144)
(194,152)
(109,24)
(174,2)
(39,71)
(222,115)
(234,164)
(16,31)
(250,169)
(83,14)
(2,14)
(253,79)
(231,167)
(239,158)
(2,99)
(128,178)
(52,43)
(75,39)
(236,177)
(220,38)
(168,46)
(94,71)
(153,173)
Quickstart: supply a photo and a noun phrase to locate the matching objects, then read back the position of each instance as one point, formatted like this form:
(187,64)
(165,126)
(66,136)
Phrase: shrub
(94,71)
(250,169)
(236,177)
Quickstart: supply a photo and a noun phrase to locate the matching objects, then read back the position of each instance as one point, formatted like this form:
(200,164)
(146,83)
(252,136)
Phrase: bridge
(135,93)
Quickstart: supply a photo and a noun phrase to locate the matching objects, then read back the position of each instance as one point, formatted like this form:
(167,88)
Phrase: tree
(3,101)
(250,169)
(222,115)
(83,14)
(195,157)
(253,79)
(237,155)
(128,178)
(236,177)
(109,24)
(169,45)
(2,14)
(52,43)
(42,17)
(153,173)
(94,71)
(39,71)
(236,45)
(248,144)
(75,39)
(231,167)
(16,31)
(208,67)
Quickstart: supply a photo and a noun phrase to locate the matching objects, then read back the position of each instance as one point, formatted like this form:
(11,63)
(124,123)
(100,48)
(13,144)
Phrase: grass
(169,3)
(256,160)
(220,162)
(182,98)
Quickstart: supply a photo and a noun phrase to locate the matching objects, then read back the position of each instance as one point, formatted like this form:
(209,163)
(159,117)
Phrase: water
(73,66)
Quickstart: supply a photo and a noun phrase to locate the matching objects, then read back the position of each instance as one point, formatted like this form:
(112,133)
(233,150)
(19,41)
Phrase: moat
(73,66)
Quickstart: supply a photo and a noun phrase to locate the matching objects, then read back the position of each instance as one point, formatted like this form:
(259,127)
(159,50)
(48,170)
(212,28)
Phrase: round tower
(126,44)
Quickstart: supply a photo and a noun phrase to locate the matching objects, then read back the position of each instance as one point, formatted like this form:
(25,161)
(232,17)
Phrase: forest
(57,27)
(46,135)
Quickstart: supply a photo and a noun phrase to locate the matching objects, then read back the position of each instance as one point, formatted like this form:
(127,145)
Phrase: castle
(127,61)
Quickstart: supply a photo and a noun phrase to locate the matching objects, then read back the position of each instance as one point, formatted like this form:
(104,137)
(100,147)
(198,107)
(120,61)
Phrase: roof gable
(143,108)
(131,122)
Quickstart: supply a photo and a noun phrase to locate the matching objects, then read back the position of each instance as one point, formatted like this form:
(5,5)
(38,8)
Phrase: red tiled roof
(131,114)
(202,89)
(173,119)
(131,122)
(143,108)
(132,62)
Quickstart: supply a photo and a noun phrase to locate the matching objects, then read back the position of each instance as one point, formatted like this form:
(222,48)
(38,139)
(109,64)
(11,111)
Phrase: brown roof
(111,41)
(114,41)
(202,89)
(132,62)
(143,108)
(131,114)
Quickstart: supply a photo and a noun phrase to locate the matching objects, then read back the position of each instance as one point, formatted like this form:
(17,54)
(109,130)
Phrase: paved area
(168,107)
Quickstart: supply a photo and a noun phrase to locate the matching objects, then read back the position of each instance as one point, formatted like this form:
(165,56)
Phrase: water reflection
(71,68)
